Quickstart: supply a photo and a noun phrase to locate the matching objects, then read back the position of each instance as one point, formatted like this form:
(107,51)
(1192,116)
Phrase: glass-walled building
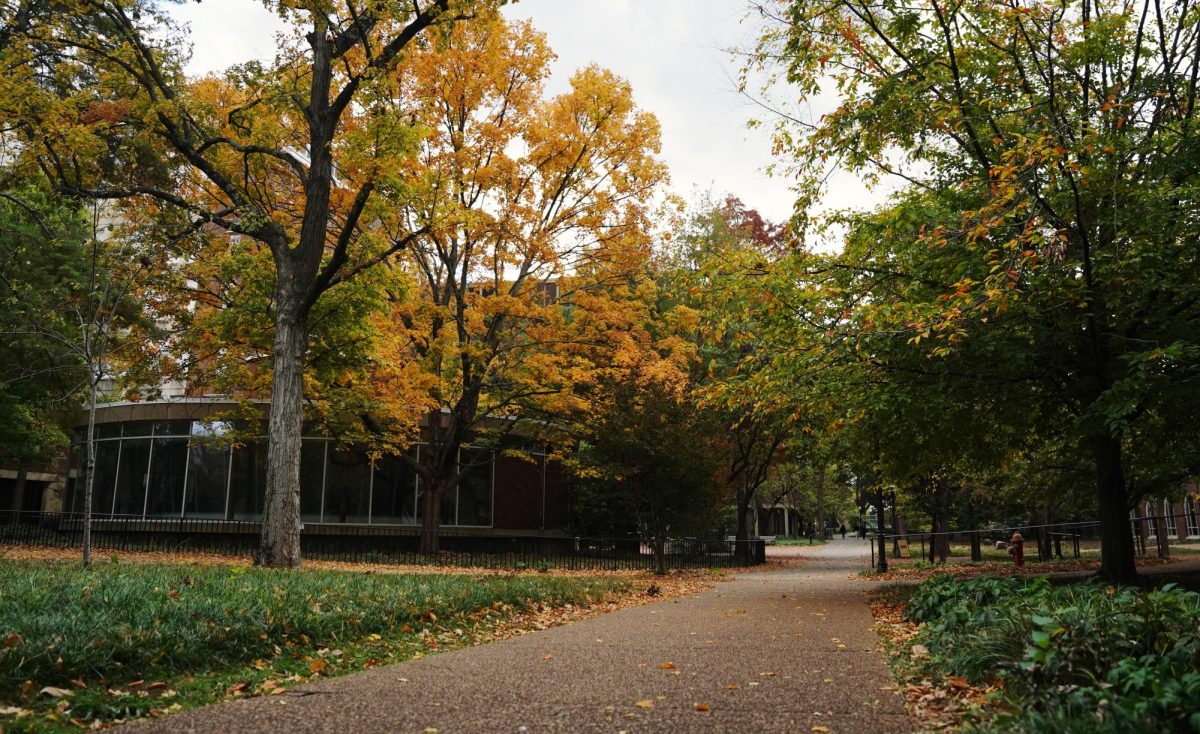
(174,467)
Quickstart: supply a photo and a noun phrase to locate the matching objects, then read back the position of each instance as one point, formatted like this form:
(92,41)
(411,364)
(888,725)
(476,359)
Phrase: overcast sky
(673,52)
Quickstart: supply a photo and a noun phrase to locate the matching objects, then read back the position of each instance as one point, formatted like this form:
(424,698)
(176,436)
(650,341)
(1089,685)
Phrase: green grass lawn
(797,541)
(123,641)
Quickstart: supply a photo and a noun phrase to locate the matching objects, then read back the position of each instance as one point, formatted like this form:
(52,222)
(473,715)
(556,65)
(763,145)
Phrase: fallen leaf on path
(646,704)
(732,686)
(56,692)
(820,729)
(667,666)
(701,707)
(768,674)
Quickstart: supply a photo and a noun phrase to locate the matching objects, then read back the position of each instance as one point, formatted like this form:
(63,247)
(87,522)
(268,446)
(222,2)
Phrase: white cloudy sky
(674,52)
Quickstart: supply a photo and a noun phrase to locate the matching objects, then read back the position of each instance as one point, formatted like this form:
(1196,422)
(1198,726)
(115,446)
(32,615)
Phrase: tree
(1057,143)
(649,454)
(525,272)
(719,254)
(79,300)
(290,154)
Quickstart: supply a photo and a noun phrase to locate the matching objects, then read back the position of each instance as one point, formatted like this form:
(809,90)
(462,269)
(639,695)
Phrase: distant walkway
(783,650)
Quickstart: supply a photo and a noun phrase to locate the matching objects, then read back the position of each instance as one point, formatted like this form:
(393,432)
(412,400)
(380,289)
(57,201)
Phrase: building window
(312,478)
(168,471)
(393,493)
(248,481)
(1168,512)
(475,489)
(207,481)
(132,469)
(1193,521)
(347,487)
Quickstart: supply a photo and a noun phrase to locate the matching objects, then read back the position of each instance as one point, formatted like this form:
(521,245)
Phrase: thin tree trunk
(821,504)
(941,525)
(1116,540)
(279,546)
(90,476)
(660,555)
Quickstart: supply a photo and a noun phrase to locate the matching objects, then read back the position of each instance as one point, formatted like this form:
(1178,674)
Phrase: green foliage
(43,266)
(127,622)
(648,456)
(1085,657)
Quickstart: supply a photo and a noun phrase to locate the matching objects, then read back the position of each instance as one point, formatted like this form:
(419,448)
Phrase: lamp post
(881,517)
(895,526)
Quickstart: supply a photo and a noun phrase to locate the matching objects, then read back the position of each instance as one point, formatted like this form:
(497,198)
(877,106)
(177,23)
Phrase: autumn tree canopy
(1048,159)
(290,154)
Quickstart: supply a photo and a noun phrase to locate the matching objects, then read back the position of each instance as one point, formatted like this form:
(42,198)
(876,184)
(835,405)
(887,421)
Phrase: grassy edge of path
(88,648)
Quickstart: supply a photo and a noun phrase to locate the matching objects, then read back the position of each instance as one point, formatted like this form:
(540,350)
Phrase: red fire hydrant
(1016,549)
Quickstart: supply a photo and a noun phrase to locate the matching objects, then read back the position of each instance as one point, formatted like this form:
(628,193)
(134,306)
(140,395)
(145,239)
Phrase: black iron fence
(372,544)
(1045,542)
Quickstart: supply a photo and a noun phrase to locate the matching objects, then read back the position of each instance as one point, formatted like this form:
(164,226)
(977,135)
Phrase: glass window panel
(167,467)
(475,489)
(137,428)
(107,430)
(211,428)
(208,474)
(393,499)
(172,428)
(248,481)
(106,474)
(131,477)
(312,477)
(347,488)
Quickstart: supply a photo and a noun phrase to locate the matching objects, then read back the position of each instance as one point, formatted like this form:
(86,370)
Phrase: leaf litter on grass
(301,658)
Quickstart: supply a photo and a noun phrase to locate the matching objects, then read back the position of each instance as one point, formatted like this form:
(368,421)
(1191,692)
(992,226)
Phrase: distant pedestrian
(1016,549)
(843,529)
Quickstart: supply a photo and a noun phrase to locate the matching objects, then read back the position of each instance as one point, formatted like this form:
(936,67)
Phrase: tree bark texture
(1116,538)
(279,545)
(431,522)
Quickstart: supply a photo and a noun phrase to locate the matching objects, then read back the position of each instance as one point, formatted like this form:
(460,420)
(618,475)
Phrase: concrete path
(784,650)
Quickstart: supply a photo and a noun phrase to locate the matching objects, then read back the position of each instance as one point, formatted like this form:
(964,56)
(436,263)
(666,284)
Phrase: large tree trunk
(431,522)
(1116,539)
(279,546)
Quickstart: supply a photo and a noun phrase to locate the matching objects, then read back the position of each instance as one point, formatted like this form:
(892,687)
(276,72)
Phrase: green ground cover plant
(121,641)
(1080,658)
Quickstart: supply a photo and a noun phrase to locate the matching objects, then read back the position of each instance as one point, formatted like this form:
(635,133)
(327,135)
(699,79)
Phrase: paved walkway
(784,650)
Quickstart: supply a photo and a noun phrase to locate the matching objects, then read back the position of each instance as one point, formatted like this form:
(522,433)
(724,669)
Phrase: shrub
(1085,657)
